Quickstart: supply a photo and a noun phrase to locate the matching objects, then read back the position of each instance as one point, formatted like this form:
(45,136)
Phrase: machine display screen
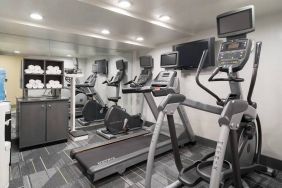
(239,21)
(233,45)
(146,61)
(169,60)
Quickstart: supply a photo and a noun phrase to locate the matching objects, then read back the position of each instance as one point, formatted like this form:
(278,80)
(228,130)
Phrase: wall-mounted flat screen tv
(102,66)
(190,53)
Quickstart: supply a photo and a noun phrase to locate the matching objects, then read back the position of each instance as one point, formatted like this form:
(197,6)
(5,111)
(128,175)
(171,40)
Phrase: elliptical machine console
(234,54)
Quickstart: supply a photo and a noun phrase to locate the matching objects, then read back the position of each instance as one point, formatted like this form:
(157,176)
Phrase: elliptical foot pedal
(78,135)
(204,169)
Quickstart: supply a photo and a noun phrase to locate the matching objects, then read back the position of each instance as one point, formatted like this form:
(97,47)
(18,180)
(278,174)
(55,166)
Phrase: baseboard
(271,162)
(265,160)
(205,141)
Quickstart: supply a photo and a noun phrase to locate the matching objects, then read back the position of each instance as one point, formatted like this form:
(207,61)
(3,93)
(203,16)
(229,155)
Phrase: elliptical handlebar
(131,81)
(229,79)
(200,67)
(254,74)
(108,81)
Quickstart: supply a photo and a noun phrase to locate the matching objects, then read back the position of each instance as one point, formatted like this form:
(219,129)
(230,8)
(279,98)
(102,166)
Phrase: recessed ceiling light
(69,55)
(164,18)
(105,32)
(36,16)
(124,3)
(17,52)
(139,38)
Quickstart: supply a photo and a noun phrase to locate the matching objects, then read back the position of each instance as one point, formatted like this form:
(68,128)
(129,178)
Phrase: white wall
(267,94)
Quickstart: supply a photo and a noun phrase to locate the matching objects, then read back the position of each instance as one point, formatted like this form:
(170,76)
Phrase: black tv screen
(169,60)
(101,66)
(146,61)
(189,54)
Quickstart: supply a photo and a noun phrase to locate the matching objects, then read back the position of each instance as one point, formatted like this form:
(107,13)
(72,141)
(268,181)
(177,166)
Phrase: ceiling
(74,26)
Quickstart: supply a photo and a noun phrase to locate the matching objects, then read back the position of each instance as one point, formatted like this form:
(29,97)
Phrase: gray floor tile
(15,171)
(16,183)
(26,168)
(39,179)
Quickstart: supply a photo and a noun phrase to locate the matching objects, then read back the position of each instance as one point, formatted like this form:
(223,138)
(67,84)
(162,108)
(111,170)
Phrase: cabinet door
(57,120)
(32,130)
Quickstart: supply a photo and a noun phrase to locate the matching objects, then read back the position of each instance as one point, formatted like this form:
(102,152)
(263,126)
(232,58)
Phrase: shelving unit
(45,78)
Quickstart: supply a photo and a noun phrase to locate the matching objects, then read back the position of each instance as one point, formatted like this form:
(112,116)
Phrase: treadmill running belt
(97,155)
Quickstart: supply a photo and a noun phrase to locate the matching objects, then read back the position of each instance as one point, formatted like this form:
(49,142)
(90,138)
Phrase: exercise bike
(117,120)
(94,109)
(238,147)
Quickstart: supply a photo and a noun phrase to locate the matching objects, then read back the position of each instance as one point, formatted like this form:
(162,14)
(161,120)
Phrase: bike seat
(114,99)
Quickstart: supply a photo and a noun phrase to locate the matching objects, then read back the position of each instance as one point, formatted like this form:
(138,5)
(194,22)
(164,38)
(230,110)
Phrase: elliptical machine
(94,109)
(238,148)
(117,120)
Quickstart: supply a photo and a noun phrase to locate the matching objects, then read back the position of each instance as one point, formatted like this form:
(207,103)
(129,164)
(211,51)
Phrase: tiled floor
(51,166)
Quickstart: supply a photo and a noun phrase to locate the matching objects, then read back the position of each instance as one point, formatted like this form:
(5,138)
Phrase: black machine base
(118,121)
(78,135)
(108,135)
(82,121)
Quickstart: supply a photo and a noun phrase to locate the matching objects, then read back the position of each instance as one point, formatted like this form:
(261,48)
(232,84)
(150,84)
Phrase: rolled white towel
(34,85)
(49,67)
(60,85)
(27,71)
(37,67)
(40,86)
(38,81)
(28,85)
(31,81)
(56,68)
(57,82)
(48,86)
(30,67)
(41,71)
(58,71)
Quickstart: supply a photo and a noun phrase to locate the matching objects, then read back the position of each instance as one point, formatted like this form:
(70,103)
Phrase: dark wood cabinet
(33,120)
(57,115)
(41,121)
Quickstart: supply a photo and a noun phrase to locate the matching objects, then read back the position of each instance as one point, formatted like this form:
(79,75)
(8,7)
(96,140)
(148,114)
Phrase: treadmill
(115,156)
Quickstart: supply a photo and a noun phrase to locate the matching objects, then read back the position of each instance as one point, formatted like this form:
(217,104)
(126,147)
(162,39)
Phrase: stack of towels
(53,70)
(34,84)
(53,84)
(34,69)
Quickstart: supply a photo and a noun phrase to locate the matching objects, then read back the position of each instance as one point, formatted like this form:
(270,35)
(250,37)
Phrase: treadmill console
(165,83)
(234,54)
